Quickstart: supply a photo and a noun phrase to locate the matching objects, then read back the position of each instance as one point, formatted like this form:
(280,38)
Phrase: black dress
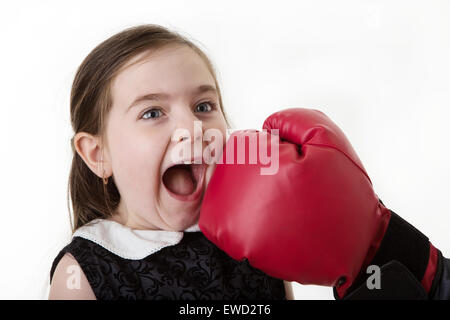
(192,269)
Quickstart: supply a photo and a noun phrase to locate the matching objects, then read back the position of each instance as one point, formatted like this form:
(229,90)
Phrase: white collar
(129,243)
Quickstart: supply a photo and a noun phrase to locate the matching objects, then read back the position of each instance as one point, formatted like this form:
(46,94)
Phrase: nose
(187,137)
(188,127)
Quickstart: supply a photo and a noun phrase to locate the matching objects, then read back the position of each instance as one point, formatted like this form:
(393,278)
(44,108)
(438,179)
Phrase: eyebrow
(161,96)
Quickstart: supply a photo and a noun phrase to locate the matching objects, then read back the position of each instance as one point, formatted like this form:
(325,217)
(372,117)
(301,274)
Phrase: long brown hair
(90,102)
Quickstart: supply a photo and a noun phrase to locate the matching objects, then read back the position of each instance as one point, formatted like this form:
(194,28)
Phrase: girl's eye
(205,106)
(152,114)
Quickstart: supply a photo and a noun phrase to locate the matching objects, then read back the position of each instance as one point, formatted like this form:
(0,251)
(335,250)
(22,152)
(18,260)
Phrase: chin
(185,220)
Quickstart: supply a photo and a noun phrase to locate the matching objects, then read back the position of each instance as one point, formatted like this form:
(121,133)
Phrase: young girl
(135,208)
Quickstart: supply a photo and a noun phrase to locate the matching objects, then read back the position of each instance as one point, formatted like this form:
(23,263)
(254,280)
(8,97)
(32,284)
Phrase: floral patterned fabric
(193,269)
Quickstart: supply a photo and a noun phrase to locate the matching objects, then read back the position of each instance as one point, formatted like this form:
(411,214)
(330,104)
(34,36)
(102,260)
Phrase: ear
(90,150)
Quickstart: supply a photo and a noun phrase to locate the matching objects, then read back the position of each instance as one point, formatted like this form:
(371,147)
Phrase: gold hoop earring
(105,180)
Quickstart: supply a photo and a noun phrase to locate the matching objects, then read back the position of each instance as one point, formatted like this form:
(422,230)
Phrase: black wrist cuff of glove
(402,258)
(396,283)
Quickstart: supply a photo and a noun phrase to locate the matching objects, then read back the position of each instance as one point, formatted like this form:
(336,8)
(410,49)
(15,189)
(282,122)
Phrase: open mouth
(184,181)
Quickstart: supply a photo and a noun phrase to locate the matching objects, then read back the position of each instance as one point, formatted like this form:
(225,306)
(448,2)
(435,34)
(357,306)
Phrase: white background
(379,69)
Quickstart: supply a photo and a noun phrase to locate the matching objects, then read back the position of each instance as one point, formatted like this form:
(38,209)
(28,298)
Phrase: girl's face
(139,132)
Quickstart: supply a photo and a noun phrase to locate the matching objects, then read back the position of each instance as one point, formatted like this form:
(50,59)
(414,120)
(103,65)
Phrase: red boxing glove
(317,220)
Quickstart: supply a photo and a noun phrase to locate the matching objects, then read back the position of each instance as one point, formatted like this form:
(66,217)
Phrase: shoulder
(79,249)
(69,281)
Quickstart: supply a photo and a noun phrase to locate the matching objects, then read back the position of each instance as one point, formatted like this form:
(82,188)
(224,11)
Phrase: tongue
(178,180)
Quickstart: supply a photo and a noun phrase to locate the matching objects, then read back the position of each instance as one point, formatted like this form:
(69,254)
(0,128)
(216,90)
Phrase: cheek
(218,123)
(136,159)
(219,131)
